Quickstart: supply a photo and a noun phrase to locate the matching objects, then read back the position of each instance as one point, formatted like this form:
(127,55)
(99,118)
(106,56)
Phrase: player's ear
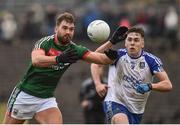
(55,29)
(143,43)
(125,44)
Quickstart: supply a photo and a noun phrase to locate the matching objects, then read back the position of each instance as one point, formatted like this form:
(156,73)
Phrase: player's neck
(137,55)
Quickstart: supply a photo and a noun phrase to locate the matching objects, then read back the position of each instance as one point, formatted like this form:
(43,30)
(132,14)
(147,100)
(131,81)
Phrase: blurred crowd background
(33,19)
(23,22)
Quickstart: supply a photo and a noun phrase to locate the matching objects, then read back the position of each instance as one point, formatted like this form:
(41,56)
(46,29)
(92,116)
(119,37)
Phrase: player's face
(65,31)
(134,44)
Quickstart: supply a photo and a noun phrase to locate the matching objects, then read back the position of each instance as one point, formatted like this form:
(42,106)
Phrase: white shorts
(24,106)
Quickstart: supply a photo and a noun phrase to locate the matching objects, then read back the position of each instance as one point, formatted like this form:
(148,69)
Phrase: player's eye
(71,29)
(136,40)
(65,27)
(129,39)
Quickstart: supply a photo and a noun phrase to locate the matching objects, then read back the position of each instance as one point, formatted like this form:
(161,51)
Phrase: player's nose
(132,42)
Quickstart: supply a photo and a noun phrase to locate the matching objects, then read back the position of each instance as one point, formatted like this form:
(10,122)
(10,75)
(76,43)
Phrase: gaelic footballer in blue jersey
(130,79)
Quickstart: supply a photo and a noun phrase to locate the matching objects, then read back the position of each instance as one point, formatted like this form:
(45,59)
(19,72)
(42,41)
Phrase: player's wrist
(111,54)
(58,59)
(112,41)
(150,86)
(97,83)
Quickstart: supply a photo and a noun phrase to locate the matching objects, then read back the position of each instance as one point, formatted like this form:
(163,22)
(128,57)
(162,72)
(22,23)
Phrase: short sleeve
(42,44)
(154,63)
(121,52)
(82,51)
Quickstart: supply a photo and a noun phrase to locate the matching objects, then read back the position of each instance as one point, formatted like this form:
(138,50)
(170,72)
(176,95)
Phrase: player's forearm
(97,72)
(162,86)
(43,61)
(98,58)
(102,59)
(104,47)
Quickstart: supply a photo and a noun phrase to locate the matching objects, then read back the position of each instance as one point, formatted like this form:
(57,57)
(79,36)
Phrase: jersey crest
(142,65)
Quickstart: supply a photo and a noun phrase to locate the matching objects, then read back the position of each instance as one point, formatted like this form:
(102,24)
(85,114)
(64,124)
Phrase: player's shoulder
(47,38)
(149,57)
(122,52)
(44,41)
(78,47)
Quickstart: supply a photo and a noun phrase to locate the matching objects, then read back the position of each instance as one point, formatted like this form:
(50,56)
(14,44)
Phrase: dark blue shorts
(112,108)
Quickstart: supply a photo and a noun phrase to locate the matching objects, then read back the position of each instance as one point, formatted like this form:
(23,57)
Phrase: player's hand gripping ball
(98,31)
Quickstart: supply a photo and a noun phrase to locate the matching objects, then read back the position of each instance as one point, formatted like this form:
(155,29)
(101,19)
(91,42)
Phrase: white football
(98,31)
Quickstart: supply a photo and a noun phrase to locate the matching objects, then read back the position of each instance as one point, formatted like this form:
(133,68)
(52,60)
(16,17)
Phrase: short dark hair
(137,30)
(68,17)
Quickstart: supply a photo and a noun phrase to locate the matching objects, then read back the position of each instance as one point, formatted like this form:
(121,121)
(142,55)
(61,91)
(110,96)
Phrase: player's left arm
(98,58)
(164,83)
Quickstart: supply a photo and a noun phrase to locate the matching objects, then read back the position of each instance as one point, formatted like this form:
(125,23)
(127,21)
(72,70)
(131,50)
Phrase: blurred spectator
(92,13)
(171,26)
(142,20)
(124,21)
(51,12)
(153,22)
(32,27)
(91,103)
(8,28)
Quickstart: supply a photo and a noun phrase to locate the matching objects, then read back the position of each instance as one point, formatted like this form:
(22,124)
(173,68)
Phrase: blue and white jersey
(126,73)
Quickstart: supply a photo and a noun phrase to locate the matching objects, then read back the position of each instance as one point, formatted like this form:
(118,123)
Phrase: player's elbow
(169,86)
(36,62)
(96,66)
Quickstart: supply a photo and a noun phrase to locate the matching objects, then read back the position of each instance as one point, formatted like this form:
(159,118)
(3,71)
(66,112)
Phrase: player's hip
(112,108)
(23,106)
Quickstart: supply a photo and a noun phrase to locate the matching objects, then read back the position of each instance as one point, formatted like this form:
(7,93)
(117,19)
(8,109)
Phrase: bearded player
(33,96)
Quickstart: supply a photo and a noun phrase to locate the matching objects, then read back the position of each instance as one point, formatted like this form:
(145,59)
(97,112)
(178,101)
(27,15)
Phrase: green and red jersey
(42,81)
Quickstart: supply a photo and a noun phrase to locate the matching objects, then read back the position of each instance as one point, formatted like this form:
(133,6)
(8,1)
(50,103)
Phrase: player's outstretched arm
(107,45)
(98,58)
(108,57)
(39,59)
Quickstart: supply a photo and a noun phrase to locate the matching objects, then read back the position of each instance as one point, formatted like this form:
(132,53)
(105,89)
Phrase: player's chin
(67,40)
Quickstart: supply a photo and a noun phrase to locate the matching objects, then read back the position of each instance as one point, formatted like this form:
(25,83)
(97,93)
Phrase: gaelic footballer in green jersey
(42,81)
(50,58)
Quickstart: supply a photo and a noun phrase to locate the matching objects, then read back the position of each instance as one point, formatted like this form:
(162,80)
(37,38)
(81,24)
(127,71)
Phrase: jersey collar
(137,56)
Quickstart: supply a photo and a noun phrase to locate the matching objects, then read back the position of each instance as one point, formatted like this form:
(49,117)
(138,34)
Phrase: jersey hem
(35,94)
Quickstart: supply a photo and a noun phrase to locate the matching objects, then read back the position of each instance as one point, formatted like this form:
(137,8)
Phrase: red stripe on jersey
(86,54)
(53,52)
